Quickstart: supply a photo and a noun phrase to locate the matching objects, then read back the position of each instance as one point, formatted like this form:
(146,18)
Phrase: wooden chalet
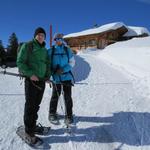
(97,40)
(102,36)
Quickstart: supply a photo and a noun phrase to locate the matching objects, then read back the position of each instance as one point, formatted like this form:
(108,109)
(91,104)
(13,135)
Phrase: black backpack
(66,53)
(52,54)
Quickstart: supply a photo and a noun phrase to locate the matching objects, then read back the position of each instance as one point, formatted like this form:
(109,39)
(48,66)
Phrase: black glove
(59,71)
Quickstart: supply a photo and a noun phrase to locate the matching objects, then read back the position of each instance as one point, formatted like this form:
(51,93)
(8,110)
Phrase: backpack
(29,49)
(53,50)
(66,53)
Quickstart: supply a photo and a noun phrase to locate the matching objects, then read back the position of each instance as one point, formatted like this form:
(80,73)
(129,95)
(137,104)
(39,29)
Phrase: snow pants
(33,98)
(66,86)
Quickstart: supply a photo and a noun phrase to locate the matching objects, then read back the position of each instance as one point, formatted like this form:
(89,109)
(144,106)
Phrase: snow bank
(132,57)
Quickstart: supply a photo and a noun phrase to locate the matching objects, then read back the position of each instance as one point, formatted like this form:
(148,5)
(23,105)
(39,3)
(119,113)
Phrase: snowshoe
(33,141)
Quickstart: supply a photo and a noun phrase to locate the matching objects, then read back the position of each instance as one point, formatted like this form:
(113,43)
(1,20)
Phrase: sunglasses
(59,39)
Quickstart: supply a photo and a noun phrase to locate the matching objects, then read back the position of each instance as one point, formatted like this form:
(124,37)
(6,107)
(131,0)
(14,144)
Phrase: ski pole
(64,100)
(11,73)
(55,86)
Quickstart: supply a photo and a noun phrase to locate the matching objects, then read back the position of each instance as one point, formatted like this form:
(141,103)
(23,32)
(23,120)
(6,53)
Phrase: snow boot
(68,119)
(53,118)
(41,130)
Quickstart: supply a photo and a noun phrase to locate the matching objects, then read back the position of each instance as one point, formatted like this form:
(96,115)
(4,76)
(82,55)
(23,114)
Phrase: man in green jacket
(35,65)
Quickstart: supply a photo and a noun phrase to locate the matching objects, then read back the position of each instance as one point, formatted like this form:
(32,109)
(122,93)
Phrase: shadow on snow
(81,70)
(131,128)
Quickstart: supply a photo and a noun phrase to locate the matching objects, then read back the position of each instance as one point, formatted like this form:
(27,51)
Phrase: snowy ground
(110,112)
(133,58)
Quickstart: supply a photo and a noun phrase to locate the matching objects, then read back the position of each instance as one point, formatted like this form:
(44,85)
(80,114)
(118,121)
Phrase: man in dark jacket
(34,64)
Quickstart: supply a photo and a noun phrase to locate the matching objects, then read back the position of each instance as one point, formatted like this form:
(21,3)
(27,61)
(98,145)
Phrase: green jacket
(35,62)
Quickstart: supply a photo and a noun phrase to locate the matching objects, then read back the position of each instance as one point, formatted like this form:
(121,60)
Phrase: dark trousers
(56,91)
(33,97)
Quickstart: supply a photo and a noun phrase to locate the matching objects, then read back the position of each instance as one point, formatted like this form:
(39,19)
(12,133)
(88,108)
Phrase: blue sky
(67,16)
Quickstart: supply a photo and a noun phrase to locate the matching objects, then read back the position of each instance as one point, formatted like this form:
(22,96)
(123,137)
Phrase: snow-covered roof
(103,28)
(132,30)
(135,31)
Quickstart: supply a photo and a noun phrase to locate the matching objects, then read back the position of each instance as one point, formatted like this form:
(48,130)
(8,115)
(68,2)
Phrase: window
(92,42)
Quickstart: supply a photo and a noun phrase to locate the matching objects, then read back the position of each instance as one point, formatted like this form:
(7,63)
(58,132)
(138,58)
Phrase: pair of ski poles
(48,81)
(59,94)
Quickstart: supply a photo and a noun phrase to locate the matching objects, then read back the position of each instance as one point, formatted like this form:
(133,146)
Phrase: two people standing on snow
(35,65)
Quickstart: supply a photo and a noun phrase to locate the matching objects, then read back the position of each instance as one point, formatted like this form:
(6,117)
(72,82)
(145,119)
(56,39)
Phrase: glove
(59,71)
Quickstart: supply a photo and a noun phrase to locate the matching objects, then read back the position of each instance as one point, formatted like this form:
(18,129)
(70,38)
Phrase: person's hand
(59,71)
(34,78)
